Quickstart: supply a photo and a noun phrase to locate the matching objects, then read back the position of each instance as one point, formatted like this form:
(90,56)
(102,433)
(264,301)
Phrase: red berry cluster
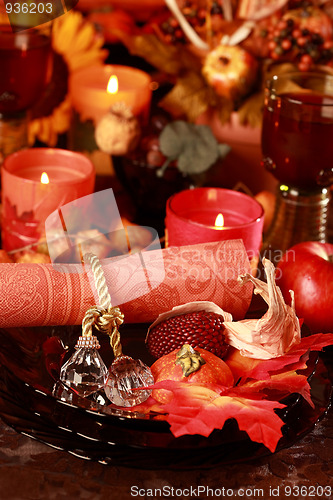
(195,16)
(286,41)
(199,329)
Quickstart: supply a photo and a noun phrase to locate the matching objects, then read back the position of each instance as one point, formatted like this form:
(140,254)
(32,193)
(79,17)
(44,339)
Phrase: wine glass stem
(13,134)
(299,216)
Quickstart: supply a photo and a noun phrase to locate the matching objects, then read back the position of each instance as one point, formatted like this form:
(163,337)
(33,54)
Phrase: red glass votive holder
(28,198)
(191,218)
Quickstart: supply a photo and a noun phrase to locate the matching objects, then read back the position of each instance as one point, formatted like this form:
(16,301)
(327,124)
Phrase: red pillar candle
(29,196)
(191,218)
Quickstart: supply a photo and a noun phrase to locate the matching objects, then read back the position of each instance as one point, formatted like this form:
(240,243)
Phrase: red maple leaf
(294,359)
(196,409)
(278,386)
(262,384)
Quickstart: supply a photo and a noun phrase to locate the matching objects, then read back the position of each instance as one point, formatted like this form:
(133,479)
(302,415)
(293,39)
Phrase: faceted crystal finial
(85,372)
(126,376)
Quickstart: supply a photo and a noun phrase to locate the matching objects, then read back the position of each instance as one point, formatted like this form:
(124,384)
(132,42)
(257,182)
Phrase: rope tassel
(106,319)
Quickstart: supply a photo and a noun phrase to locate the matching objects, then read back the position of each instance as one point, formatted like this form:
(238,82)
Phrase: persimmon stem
(189,360)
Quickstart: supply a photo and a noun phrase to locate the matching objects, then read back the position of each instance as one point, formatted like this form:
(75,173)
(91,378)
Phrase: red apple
(230,70)
(307,269)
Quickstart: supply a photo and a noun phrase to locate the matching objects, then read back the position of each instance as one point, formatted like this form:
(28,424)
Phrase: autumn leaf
(199,410)
(192,96)
(148,406)
(280,386)
(167,58)
(251,111)
(224,108)
(293,358)
(189,96)
(250,368)
(160,55)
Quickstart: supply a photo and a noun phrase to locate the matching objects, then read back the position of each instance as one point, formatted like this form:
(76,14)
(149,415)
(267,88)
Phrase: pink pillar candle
(27,201)
(191,217)
(91,99)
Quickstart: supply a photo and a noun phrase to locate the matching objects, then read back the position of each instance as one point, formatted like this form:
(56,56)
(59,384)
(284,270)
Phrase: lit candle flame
(112,87)
(219,221)
(44,178)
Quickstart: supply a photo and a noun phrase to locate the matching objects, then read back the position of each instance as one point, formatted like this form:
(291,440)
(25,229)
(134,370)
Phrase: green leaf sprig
(194,147)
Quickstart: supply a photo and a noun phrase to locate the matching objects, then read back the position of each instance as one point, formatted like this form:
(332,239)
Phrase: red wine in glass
(297,132)
(25,59)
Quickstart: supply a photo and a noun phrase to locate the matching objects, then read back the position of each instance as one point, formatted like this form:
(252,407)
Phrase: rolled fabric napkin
(143,284)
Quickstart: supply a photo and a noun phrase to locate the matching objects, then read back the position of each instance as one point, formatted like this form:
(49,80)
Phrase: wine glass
(26,63)
(297,148)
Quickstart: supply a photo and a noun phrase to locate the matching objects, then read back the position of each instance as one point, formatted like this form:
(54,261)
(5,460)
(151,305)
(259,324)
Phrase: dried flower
(273,334)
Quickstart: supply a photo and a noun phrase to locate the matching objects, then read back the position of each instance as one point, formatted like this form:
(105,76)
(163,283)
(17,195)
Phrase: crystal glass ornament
(126,376)
(85,372)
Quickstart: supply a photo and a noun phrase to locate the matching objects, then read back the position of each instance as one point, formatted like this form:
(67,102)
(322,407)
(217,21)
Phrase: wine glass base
(299,216)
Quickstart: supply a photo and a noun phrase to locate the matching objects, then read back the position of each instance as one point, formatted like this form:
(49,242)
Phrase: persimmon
(193,366)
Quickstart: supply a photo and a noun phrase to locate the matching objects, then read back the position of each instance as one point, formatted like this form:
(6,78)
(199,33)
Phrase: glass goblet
(297,148)
(25,61)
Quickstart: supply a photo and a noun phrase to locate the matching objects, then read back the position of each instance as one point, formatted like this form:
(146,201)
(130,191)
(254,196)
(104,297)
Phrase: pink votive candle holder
(35,183)
(91,98)
(214,214)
